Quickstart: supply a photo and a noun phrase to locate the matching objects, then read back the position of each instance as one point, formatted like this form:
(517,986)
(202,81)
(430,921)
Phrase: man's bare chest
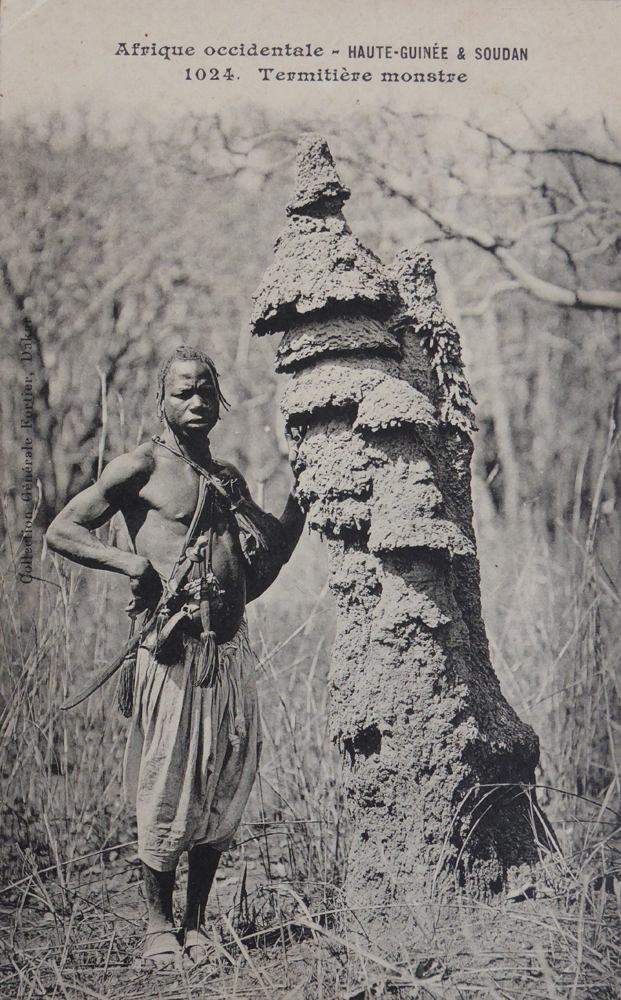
(168,506)
(173,494)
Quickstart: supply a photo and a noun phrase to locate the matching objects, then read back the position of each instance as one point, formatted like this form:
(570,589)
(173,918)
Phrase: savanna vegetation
(114,248)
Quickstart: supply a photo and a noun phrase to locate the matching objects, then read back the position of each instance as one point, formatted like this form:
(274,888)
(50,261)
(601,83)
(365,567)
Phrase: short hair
(186,354)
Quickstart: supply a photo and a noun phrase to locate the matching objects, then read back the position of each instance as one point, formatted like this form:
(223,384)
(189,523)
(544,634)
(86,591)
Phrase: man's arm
(292,522)
(293,518)
(281,535)
(71,533)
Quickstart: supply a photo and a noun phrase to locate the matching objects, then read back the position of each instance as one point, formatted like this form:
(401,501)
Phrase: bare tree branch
(395,184)
(608,161)
(559,218)
(497,289)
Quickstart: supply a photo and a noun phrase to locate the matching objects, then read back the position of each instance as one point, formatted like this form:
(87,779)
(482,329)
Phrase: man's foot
(197,946)
(163,951)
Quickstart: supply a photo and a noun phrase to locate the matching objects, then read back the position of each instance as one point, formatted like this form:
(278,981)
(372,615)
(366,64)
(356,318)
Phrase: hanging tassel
(207,661)
(125,690)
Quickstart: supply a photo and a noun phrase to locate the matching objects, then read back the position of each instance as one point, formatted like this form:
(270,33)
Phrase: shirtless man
(194,741)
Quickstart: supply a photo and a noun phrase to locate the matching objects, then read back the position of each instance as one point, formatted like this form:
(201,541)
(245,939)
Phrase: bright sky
(60,53)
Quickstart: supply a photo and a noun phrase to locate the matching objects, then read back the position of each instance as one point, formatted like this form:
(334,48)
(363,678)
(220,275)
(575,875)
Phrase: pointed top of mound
(320,265)
(318,188)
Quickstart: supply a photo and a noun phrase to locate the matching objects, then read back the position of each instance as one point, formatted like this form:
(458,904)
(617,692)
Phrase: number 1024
(213,73)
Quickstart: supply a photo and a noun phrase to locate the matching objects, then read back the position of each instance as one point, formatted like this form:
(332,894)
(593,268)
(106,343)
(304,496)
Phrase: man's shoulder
(146,452)
(136,465)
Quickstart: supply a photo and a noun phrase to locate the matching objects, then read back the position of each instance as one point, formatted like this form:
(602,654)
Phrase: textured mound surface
(435,757)
(313,339)
(381,399)
(318,187)
(319,263)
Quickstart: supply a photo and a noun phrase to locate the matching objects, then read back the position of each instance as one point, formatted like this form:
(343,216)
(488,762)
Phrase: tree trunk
(438,767)
(502,420)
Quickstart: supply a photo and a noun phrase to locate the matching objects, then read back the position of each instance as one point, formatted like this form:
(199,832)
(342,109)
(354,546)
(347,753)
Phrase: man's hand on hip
(146,588)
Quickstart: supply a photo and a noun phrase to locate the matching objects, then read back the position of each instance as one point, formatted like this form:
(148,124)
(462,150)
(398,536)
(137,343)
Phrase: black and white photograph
(310,543)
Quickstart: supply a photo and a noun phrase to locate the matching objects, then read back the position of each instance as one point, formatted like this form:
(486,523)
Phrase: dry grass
(72,909)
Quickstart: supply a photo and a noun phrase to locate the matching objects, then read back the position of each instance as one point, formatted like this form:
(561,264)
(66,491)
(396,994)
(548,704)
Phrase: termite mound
(438,766)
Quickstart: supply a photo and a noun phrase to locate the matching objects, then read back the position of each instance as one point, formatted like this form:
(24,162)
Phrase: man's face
(190,398)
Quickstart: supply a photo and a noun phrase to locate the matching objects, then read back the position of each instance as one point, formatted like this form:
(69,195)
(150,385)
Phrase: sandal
(197,946)
(163,951)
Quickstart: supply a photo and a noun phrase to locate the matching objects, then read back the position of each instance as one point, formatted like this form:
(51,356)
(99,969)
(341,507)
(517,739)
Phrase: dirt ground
(80,935)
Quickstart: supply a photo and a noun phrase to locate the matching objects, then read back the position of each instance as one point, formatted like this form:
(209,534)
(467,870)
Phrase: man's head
(188,391)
